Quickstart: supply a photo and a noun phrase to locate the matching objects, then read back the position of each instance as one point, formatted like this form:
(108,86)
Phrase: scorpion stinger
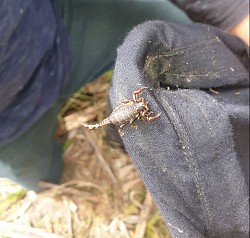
(127,112)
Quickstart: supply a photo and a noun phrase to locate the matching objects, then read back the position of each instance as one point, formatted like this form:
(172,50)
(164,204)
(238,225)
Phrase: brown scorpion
(127,112)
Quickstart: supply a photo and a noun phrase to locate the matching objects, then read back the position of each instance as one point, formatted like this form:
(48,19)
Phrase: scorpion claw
(150,119)
(138,91)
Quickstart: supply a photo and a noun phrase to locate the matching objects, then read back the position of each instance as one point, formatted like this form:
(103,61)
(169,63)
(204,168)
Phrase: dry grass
(100,195)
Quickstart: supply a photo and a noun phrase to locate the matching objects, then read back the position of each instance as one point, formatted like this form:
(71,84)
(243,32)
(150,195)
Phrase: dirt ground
(100,195)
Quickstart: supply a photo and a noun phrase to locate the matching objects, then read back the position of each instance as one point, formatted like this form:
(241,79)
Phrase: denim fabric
(94,30)
(33,64)
(191,157)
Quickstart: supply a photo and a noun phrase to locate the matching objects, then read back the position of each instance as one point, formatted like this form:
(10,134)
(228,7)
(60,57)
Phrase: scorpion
(127,112)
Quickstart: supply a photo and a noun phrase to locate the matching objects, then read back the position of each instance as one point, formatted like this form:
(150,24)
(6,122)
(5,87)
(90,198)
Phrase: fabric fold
(187,157)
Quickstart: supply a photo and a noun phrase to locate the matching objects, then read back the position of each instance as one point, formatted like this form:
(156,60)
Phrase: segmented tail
(98,125)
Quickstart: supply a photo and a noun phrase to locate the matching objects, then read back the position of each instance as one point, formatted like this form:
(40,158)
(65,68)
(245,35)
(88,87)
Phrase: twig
(141,226)
(94,142)
(55,189)
(68,217)
(13,230)
(213,91)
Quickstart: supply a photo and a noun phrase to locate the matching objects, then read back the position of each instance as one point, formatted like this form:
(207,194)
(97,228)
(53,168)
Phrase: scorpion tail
(91,127)
(96,126)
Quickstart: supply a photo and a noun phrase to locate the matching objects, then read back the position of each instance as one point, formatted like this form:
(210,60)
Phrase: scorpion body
(127,112)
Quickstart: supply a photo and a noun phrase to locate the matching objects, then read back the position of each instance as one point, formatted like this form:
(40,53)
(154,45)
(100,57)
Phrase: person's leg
(95,30)
(35,155)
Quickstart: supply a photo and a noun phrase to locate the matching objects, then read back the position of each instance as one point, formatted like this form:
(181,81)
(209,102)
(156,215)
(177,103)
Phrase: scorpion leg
(145,115)
(150,119)
(123,100)
(120,130)
(132,123)
(137,92)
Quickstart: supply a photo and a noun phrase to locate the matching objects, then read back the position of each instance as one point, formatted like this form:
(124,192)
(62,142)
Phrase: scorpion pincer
(127,112)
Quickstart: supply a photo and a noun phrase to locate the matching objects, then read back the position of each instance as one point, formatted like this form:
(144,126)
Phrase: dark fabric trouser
(194,157)
(190,158)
